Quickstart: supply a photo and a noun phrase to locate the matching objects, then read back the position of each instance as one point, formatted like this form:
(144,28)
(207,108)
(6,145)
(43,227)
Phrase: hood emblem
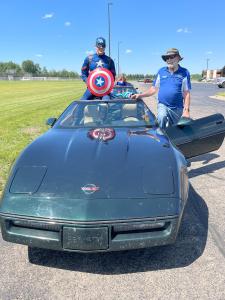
(104,134)
(90,188)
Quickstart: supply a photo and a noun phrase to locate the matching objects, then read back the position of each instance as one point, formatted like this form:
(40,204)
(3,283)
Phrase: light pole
(109,3)
(207,63)
(118,58)
(207,66)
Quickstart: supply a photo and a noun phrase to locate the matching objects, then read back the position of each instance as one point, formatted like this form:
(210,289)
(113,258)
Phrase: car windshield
(123,92)
(111,113)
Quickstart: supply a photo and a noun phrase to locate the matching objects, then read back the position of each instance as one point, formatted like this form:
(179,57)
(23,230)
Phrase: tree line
(28,67)
(152,77)
(139,76)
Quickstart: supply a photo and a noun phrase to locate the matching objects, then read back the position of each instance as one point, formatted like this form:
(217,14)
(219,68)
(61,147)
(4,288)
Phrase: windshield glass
(99,113)
(123,92)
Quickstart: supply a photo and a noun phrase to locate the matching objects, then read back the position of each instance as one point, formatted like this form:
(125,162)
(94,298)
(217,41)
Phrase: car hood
(67,175)
(135,163)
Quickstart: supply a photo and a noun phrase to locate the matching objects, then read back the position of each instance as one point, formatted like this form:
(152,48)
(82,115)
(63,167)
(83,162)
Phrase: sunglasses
(171,56)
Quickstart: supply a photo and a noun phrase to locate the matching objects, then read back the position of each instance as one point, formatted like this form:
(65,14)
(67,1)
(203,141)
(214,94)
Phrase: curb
(217,97)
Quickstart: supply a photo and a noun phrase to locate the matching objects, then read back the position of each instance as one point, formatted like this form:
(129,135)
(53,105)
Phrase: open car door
(198,136)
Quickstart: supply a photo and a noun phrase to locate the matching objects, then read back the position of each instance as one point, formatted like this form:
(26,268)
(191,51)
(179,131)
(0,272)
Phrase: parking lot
(193,268)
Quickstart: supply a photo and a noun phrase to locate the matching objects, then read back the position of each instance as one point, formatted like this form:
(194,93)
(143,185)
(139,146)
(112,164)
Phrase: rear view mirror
(51,121)
(184,122)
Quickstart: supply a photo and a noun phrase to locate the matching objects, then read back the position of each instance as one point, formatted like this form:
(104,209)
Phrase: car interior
(107,114)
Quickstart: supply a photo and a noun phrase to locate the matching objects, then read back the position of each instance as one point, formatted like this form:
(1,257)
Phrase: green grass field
(25,106)
(221,94)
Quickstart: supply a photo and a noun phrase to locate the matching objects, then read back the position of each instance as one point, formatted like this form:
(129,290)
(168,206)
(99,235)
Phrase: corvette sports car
(104,177)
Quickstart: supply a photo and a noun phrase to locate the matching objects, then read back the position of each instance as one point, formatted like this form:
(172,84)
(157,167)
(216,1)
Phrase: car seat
(91,114)
(129,112)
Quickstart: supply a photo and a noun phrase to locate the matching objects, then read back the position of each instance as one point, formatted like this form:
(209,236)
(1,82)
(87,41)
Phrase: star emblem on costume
(99,64)
(100,81)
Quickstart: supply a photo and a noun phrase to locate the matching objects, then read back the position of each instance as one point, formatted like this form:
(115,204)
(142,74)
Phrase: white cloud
(128,51)
(39,55)
(89,52)
(48,16)
(183,30)
(208,52)
(67,23)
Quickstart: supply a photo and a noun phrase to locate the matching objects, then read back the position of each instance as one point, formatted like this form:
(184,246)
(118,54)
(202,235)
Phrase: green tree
(28,66)
(37,69)
(44,71)
(10,67)
(197,77)
(223,71)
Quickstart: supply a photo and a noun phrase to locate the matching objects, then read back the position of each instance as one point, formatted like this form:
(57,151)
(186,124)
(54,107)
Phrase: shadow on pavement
(189,246)
(207,169)
(205,158)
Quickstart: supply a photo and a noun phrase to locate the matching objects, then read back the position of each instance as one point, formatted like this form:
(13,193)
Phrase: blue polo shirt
(172,85)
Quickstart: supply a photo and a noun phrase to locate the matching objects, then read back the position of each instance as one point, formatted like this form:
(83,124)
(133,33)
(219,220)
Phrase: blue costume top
(121,83)
(94,61)
(171,86)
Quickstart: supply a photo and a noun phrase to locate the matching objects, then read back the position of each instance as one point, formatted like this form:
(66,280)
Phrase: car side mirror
(51,121)
(184,121)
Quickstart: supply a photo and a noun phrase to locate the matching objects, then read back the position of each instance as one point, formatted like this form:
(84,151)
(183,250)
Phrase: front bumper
(90,236)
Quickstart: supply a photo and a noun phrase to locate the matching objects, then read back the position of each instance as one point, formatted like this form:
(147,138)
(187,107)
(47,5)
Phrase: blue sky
(59,33)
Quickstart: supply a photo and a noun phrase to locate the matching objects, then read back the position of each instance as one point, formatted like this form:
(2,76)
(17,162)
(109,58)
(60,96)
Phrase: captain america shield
(100,82)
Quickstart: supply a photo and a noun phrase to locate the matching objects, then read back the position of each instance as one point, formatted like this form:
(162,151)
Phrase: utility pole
(207,67)
(207,63)
(118,58)
(109,25)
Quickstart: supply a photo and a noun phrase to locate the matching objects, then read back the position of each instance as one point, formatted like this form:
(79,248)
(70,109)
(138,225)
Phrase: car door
(199,136)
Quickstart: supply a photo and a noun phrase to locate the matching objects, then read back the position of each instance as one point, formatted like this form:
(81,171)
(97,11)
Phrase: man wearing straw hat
(173,86)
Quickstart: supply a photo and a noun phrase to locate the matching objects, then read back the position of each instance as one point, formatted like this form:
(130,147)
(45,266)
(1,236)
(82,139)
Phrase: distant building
(213,74)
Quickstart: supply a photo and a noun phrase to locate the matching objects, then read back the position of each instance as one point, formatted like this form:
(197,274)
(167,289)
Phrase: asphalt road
(193,268)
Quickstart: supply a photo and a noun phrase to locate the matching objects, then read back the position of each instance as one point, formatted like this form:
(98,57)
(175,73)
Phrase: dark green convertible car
(104,178)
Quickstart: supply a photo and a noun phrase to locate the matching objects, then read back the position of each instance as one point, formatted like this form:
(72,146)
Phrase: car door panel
(201,136)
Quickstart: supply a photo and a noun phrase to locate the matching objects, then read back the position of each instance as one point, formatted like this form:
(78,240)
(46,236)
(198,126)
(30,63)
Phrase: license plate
(87,239)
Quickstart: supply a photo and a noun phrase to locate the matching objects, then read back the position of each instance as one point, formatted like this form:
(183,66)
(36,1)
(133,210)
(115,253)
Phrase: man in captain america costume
(97,60)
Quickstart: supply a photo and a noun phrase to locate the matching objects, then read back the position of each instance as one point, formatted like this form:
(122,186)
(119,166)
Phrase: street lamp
(118,58)
(109,3)
(207,66)
(207,63)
